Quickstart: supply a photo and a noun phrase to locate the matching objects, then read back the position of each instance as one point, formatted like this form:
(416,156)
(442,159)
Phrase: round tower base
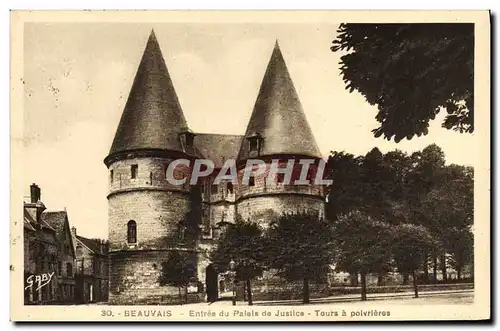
(134,279)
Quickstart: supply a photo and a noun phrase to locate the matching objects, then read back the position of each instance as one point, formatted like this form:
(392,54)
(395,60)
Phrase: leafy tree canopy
(301,246)
(242,242)
(362,244)
(411,72)
(178,270)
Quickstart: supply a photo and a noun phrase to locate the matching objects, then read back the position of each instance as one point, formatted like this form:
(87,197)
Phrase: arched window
(131,232)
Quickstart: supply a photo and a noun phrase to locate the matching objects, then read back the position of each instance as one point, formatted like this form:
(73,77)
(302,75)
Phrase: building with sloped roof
(91,265)
(48,250)
(149,217)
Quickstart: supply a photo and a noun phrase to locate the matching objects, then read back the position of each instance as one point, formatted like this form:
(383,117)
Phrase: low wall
(338,290)
(293,291)
(156,299)
(281,291)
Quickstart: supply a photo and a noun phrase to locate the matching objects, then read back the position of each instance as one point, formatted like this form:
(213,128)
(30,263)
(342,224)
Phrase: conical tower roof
(278,116)
(152,118)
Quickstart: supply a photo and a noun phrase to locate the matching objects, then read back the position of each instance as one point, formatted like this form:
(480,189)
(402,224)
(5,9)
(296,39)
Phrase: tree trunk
(415,286)
(180,295)
(354,279)
(459,273)
(434,269)
(443,268)
(406,277)
(426,267)
(380,279)
(363,286)
(305,291)
(249,293)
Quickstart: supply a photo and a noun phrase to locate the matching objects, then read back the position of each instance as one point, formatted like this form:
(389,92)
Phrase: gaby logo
(38,280)
(292,173)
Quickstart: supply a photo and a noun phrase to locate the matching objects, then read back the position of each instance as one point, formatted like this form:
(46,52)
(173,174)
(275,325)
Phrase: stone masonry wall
(261,185)
(156,213)
(263,209)
(151,172)
(134,278)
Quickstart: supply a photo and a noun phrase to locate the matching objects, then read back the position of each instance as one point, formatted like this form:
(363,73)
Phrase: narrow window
(111,175)
(59,268)
(230,188)
(69,269)
(189,140)
(280,178)
(131,232)
(133,171)
(150,178)
(253,144)
(214,188)
(251,181)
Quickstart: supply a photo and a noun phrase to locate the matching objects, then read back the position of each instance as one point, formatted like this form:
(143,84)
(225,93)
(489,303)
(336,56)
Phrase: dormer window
(254,142)
(187,138)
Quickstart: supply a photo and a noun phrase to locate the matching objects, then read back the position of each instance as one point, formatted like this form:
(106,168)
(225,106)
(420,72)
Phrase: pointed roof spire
(152,118)
(278,116)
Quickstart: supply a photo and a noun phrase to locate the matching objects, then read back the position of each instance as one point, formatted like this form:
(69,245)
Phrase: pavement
(460,296)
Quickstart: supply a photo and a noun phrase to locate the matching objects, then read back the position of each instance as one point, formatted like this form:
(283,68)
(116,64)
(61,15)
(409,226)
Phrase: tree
(447,209)
(344,170)
(242,242)
(363,245)
(461,248)
(411,72)
(425,176)
(372,184)
(410,244)
(177,271)
(301,248)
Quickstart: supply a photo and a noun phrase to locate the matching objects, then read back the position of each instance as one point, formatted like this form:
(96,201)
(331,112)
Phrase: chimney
(35,193)
(73,231)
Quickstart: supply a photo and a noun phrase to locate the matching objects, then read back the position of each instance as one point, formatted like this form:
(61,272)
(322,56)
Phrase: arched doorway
(211,283)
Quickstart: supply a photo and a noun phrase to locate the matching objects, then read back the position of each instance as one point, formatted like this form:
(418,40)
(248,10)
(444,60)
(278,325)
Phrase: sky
(77,77)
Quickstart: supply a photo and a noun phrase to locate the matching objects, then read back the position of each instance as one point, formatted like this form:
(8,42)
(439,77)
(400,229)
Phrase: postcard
(250,166)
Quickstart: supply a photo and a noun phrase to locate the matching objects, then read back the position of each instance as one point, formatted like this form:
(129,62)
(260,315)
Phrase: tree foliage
(411,72)
(177,271)
(363,245)
(301,248)
(401,190)
(410,246)
(242,242)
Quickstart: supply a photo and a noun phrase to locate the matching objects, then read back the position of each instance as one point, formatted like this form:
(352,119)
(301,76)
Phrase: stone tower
(278,130)
(148,217)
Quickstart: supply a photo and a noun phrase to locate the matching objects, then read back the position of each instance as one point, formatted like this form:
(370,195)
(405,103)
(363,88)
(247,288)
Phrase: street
(405,298)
